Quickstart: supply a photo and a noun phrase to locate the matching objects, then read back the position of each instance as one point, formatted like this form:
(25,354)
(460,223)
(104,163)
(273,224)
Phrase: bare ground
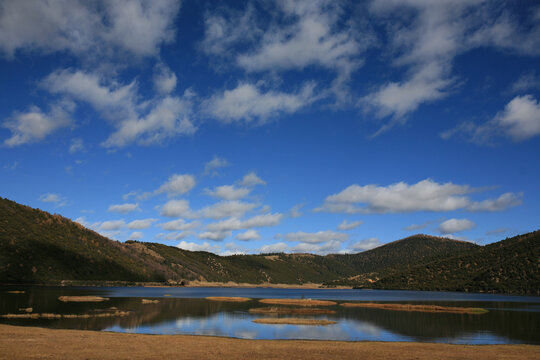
(37,343)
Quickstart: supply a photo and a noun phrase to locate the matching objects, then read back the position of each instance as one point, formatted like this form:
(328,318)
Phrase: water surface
(511,319)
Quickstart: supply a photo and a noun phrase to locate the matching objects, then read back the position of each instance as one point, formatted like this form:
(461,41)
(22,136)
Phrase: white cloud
(366,244)
(53,198)
(141,224)
(164,79)
(87,28)
(76,146)
(400,98)
(526,82)
(519,120)
(253,222)
(179,225)
(248,235)
(124,208)
(312,39)
(330,247)
(110,225)
(170,116)
(274,248)
(224,209)
(246,103)
(251,179)
(136,235)
(177,208)
(214,164)
(175,235)
(147,122)
(502,202)
(298,35)
(345,225)
(34,125)
(314,238)
(219,210)
(455,225)
(426,36)
(191,246)
(228,192)
(177,184)
(223,31)
(214,235)
(426,195)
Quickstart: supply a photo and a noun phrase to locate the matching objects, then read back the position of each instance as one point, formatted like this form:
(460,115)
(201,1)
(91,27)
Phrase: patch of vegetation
(294,321)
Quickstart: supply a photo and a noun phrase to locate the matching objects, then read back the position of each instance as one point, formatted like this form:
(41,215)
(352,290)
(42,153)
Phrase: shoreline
(194,284)
(21,342)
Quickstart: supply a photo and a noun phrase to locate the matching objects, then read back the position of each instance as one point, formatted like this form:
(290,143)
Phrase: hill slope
(508,266)
(37,247)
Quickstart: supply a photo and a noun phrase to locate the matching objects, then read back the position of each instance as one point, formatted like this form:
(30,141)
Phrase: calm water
(511,319)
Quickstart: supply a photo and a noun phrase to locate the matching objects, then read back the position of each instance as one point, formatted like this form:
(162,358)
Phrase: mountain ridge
(37,247)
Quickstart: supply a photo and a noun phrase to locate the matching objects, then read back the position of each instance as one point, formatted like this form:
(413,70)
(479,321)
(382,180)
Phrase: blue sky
(296,126)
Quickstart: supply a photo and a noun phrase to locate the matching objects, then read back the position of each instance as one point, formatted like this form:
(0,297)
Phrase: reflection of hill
(141,314)
(516,325)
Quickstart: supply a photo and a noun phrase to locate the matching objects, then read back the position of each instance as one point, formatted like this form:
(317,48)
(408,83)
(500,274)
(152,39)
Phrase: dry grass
(64,316)
(419,308)
(227,298)
(293,321)
(298,302)
(82,298)
(79,344)
(287,310)
(28,310)
(148,301)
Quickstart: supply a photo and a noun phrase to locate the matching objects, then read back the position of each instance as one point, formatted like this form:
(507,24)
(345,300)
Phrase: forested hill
(507,266)
(37,247)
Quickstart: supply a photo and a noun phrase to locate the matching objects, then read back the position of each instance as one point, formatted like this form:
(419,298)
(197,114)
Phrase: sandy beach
(18,342)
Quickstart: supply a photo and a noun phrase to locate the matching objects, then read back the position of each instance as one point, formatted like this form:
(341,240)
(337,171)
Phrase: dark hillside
(405,253)
(37,247)
(508,266)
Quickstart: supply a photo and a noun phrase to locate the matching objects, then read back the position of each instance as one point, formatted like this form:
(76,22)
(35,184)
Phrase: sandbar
(419,308)
(298,302)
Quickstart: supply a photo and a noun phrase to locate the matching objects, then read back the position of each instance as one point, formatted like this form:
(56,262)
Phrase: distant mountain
(405,253)
(508,266)
(40,248)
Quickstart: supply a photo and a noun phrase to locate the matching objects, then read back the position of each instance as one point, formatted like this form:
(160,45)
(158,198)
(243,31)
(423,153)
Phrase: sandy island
(18,342)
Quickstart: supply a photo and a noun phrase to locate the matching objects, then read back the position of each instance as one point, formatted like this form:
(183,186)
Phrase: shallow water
(511,319)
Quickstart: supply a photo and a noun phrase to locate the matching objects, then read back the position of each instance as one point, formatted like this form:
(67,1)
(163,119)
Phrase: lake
(509,320)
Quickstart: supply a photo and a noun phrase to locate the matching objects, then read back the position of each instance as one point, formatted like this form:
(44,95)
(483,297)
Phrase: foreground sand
(37,343)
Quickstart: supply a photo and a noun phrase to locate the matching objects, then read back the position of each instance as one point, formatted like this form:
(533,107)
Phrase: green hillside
(40,248)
